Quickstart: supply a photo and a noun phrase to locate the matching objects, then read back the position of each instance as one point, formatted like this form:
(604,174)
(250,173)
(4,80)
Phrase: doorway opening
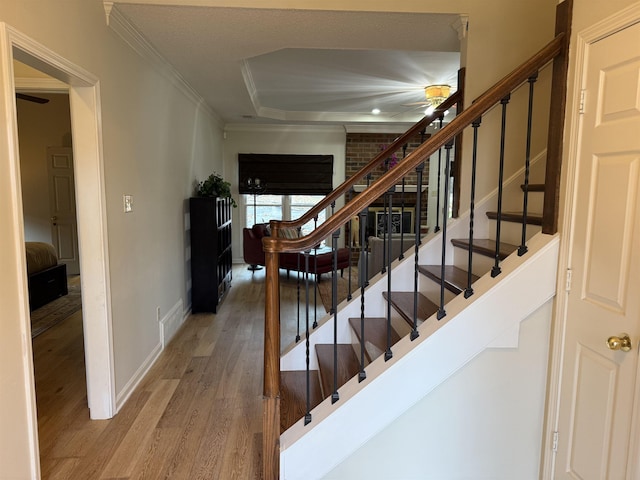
(85,114)
(50,227)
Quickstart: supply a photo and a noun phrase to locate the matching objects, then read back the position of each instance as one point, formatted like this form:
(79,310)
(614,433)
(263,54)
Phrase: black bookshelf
(210,252)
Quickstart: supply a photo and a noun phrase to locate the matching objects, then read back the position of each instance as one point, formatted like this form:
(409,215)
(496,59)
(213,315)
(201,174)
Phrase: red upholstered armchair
(252,243)
(321,259)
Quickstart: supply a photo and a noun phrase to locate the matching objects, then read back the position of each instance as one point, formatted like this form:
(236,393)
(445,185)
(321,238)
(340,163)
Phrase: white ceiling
(255,65)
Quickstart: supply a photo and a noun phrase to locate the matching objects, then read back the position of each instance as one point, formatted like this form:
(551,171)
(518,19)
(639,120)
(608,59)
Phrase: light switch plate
(128,203)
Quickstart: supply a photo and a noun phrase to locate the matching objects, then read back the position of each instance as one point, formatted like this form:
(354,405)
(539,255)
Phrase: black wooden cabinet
(210,252)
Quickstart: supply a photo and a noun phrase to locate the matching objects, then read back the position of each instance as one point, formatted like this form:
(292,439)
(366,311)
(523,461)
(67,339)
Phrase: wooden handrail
(441,137)
(310,214)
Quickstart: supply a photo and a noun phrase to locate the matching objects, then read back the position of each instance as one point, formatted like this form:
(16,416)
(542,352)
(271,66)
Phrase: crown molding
(247,76)
(266,127)
(121,25)
(377,128)
(461,25)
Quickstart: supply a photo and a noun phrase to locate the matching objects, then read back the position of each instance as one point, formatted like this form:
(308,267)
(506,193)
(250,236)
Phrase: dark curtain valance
(287,174)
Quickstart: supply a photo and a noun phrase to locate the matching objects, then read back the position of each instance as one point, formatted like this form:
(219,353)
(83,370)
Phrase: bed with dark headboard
(47,277)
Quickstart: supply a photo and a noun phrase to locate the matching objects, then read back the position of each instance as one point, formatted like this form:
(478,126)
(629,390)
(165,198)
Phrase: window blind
(286,174)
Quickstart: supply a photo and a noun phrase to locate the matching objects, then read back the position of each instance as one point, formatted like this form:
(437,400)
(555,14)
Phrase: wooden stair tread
(516,217)
(348,365)
(533,187)
(485,246)
(375,335)
(293,395)
(455,279)
(402,302)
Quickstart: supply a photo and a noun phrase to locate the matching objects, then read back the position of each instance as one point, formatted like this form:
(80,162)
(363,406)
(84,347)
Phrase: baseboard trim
(138,376)
(171,323)
(169,326)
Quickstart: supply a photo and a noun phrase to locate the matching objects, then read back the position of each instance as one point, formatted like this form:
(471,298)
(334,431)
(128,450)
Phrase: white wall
(156,140)
(303,140)
(483,422)
(40,126)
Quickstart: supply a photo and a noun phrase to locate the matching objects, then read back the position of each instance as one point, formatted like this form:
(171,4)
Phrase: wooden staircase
(526,280)
(293,383)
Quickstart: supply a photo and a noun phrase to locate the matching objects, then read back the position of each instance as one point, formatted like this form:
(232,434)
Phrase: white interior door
(62,205)
(597,428)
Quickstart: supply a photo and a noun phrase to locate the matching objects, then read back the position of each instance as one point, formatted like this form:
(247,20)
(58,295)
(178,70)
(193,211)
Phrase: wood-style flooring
(196,415)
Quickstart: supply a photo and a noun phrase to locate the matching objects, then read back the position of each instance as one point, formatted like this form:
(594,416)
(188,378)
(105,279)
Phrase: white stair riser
(481,263)
(511,232)
(431,289)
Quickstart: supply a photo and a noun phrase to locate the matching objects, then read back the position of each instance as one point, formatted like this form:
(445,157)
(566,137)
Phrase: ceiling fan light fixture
(436,94)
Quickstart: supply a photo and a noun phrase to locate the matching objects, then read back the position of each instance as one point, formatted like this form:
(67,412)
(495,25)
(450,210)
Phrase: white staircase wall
(484,422)
(471,326)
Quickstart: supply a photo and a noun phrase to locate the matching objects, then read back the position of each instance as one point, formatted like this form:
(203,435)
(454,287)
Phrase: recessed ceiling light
(376,111)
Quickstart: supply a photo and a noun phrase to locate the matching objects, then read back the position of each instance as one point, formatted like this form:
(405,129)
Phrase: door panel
(63,207)
(594,391)
(598,389)
(612,206)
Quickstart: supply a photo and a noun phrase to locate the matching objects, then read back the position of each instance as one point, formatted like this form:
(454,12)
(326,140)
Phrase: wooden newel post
(271,398)
(564,12)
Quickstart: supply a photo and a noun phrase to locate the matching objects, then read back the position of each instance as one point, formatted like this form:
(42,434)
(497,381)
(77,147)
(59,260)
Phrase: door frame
(86,127)
(580,44)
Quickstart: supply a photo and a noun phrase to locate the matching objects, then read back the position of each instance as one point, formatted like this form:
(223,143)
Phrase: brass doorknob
(623,342)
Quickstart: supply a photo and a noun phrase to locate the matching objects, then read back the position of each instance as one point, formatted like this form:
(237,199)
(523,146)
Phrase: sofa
(320,259)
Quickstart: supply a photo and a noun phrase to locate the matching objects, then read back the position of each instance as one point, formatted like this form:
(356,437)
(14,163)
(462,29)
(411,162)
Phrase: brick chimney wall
(362,147)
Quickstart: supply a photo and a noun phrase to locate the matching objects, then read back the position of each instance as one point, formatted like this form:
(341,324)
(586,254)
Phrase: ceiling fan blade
(31,98)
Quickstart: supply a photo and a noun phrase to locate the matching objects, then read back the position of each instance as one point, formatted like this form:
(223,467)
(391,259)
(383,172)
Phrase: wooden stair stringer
(476,323)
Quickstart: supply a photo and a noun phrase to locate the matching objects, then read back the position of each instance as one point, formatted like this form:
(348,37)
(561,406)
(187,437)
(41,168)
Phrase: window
(280,207)
(267,207)
(300,204)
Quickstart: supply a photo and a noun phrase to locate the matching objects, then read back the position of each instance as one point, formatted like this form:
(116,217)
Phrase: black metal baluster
(366,246)
(384,232)
(307,417)
(522,249)
(315,288)
(445,215)
(423,134)
(334,304)
(476,124)
(416,270)
(388,354)
(350,245)
(437,227)
(298,292)
(495,270)
(404,155)
(363,225)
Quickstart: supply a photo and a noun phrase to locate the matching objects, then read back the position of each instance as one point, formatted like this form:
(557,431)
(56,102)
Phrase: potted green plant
(215,186)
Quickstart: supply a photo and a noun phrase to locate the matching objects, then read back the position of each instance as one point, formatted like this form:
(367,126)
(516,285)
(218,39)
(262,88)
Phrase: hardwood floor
(196,415)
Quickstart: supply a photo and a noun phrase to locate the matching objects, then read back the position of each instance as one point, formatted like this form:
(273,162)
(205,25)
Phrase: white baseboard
(129,388)
(171,323)
(168,325)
